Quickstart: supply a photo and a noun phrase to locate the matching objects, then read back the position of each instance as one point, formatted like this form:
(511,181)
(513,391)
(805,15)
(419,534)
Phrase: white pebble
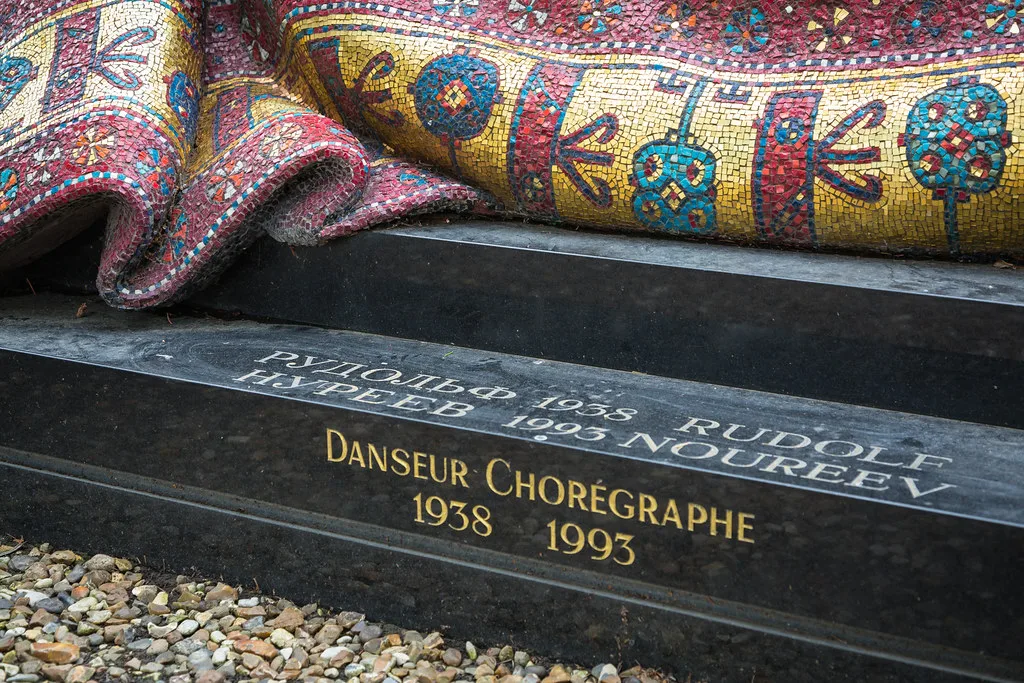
(188,627)
(331,652)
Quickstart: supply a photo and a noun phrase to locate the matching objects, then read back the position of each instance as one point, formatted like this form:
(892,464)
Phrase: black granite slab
(841,530)
(934,338)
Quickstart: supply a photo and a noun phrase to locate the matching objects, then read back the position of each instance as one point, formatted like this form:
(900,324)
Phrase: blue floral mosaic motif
(747,31)
(1004,16)
(454,96)
(156,170)
(675,180)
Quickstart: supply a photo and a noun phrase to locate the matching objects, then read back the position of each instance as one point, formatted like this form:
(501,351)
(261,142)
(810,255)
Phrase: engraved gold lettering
(578,495)
(559,488)
(695,515)
(648,505)
(457,507)
(716,520)
(331,433)
(482,521)
(400,462)
(419,463)
(443,478)
(627,511)
(742,527)
(601,542)
(490,476)
(672,514)
(504,480)
(623,540)
(376,457)
(440,511)
(356,452)
(597,498)
(529,485)
(571,539)
(459,471)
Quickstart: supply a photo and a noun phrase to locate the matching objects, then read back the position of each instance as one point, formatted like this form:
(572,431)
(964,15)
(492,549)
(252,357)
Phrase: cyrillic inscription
(587,419)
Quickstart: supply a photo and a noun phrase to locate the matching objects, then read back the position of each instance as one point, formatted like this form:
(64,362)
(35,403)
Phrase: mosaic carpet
(195,128)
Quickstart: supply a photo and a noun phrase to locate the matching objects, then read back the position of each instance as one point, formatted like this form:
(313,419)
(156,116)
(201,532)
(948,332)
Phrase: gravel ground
(72,618)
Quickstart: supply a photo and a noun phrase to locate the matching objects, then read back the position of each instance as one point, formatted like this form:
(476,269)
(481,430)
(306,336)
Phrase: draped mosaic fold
(194,128)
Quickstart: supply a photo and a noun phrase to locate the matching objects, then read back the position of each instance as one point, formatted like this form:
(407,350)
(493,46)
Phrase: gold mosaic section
(906,215)
(37,47)
(168,51)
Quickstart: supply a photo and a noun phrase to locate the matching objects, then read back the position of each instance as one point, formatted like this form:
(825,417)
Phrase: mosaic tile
(874,125)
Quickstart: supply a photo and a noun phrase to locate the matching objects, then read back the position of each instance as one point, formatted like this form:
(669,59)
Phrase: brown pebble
(259,647)
(55,653)
(289,619)
(221,592)
(328,634)
(41,618)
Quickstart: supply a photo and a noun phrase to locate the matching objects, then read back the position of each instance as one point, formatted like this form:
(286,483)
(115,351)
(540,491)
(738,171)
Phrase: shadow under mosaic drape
(195,128)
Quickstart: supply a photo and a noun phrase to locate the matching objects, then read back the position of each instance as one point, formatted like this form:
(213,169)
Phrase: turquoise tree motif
(956,142)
